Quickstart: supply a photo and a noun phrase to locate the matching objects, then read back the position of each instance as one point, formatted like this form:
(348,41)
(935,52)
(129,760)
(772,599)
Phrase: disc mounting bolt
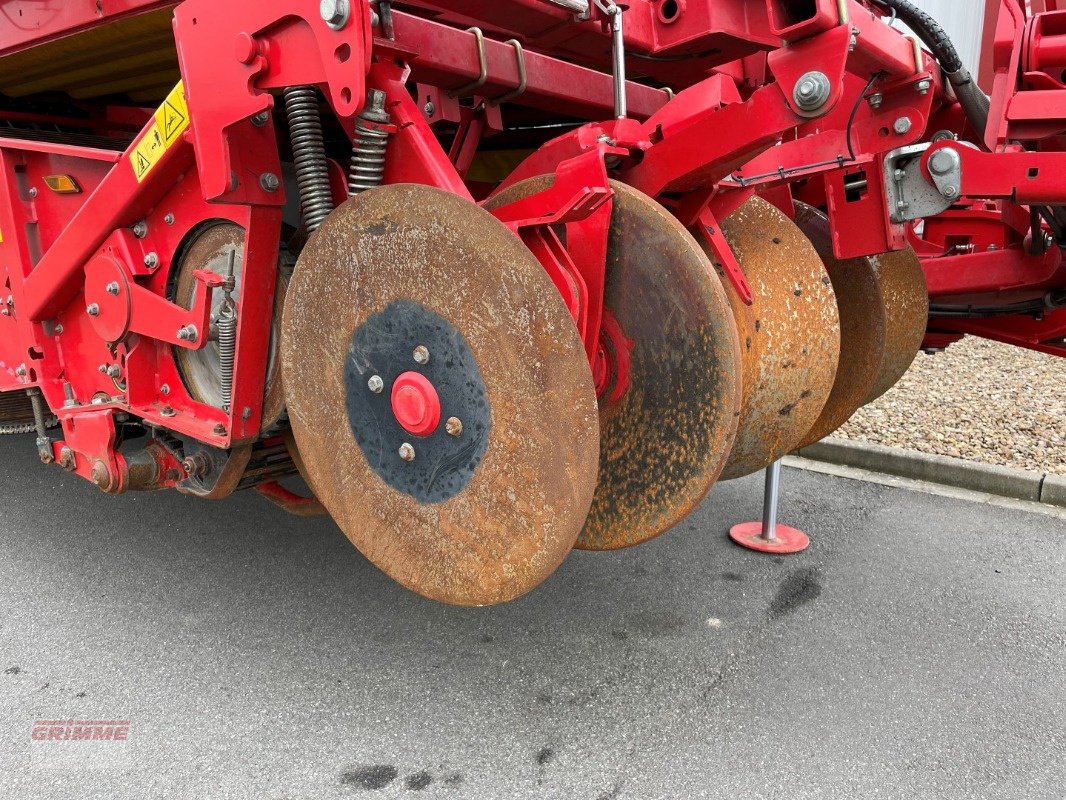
(187,333)
(407,452)
(112,288)
(269,181)
(421,355)
(335,13)
(92,310)
(902,126)
(375,384)
(140,229)
(454,426)
(812,91)
(151,260)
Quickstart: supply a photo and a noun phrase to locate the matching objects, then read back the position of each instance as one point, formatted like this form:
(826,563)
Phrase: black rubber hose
(973,101)
(928,30)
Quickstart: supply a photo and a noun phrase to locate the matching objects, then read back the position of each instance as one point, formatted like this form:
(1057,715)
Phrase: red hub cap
(415,404)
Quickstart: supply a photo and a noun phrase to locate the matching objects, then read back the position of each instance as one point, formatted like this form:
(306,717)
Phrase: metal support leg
(768,536)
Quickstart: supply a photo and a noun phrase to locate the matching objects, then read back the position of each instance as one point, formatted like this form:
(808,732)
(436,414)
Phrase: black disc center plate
(383,346)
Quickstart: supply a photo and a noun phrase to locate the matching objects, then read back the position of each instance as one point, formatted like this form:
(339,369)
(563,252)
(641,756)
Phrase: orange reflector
(62,184)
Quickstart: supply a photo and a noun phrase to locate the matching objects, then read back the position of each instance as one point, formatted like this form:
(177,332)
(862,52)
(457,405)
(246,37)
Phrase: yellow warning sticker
(170,120)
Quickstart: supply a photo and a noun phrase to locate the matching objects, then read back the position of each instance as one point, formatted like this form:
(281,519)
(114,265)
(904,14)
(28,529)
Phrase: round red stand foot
(788,540)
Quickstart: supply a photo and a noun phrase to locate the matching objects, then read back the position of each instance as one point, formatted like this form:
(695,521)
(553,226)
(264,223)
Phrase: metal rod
(579,7)
(770,498)
(618,53)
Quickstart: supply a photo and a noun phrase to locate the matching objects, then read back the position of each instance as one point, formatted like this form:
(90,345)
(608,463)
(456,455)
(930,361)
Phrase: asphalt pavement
(917,650)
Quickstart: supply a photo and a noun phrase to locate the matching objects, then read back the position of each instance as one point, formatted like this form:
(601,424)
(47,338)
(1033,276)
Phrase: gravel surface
(979,400)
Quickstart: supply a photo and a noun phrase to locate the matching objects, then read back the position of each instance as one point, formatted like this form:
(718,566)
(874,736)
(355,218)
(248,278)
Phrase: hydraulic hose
(973,101)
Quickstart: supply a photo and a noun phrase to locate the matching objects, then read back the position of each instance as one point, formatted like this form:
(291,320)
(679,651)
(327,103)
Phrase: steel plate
(789,337)
(521,510)
(664,443)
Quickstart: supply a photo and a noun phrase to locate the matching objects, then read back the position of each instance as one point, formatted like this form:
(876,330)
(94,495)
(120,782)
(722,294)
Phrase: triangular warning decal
(173,120)
(143,165)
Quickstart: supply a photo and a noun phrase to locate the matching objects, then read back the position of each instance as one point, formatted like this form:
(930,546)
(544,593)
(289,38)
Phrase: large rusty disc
(857,286)
(789,337)
(664,441)
(219,247)
(482,508)
(905,297)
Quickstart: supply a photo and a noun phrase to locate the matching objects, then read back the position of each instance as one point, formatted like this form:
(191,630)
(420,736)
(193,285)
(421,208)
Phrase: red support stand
(768,536)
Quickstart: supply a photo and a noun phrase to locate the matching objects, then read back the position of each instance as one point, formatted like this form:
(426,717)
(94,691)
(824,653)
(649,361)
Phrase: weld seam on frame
(1040,487)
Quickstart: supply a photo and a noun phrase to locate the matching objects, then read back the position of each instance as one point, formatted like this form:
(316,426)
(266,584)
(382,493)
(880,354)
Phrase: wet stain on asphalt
(418,781)
(376,776)
(800,587)
(733,577)
(545,755)
(13,670)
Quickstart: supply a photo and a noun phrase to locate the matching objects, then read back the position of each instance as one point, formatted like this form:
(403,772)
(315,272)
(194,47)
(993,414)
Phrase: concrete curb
(1001,481)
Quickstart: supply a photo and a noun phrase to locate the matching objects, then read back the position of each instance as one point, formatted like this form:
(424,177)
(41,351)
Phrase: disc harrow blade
(789,337)
(411,304)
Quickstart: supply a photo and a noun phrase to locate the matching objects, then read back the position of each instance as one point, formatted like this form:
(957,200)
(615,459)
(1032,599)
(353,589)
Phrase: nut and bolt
(164,389)
(93,310)
(219,430)
(421,355)
(941,162)
(151,260)
(140,229)
(33,191)
(167,411)
(261,119)
(58,329)
(169,219)
(375,384)
(950,191)
(875,100)
(812,91)
(454,426)
(20,370)
(187,333)
(407,453)
(335,13)
(902,125)
(196,465)
(66,458)
(429,109)
(101,476)
(114,371)
(112,288)
(269,181)
(923,86)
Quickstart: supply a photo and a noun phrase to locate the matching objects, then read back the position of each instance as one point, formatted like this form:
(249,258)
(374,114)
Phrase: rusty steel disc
(219,247)
(863,323)
(905,297)
(665,441)
(789,337)
(410,305)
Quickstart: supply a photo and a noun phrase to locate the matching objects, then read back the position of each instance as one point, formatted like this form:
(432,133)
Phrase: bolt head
(429,109)
(923,86)
(407,452)
(269,181)
(112,288)
(151,260)
(902,126)
(334,13)
(164,389)
(941,162)
(375,384)
(33,191)
(21,370)
(219,430)
(261,119)
(169,219)
(812,91)
(454,426)
(114,371)
(421,355)
(92,310)
(950,191)
(875,100)
(140,229)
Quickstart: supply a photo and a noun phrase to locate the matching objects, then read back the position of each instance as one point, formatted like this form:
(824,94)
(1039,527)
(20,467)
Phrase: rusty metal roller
(789,337)
(905,296)
(863,325)
(440,397)
(665,440)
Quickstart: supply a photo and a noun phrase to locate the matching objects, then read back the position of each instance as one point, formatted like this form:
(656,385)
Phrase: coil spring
(227,345)
(368,158)
(309,154)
